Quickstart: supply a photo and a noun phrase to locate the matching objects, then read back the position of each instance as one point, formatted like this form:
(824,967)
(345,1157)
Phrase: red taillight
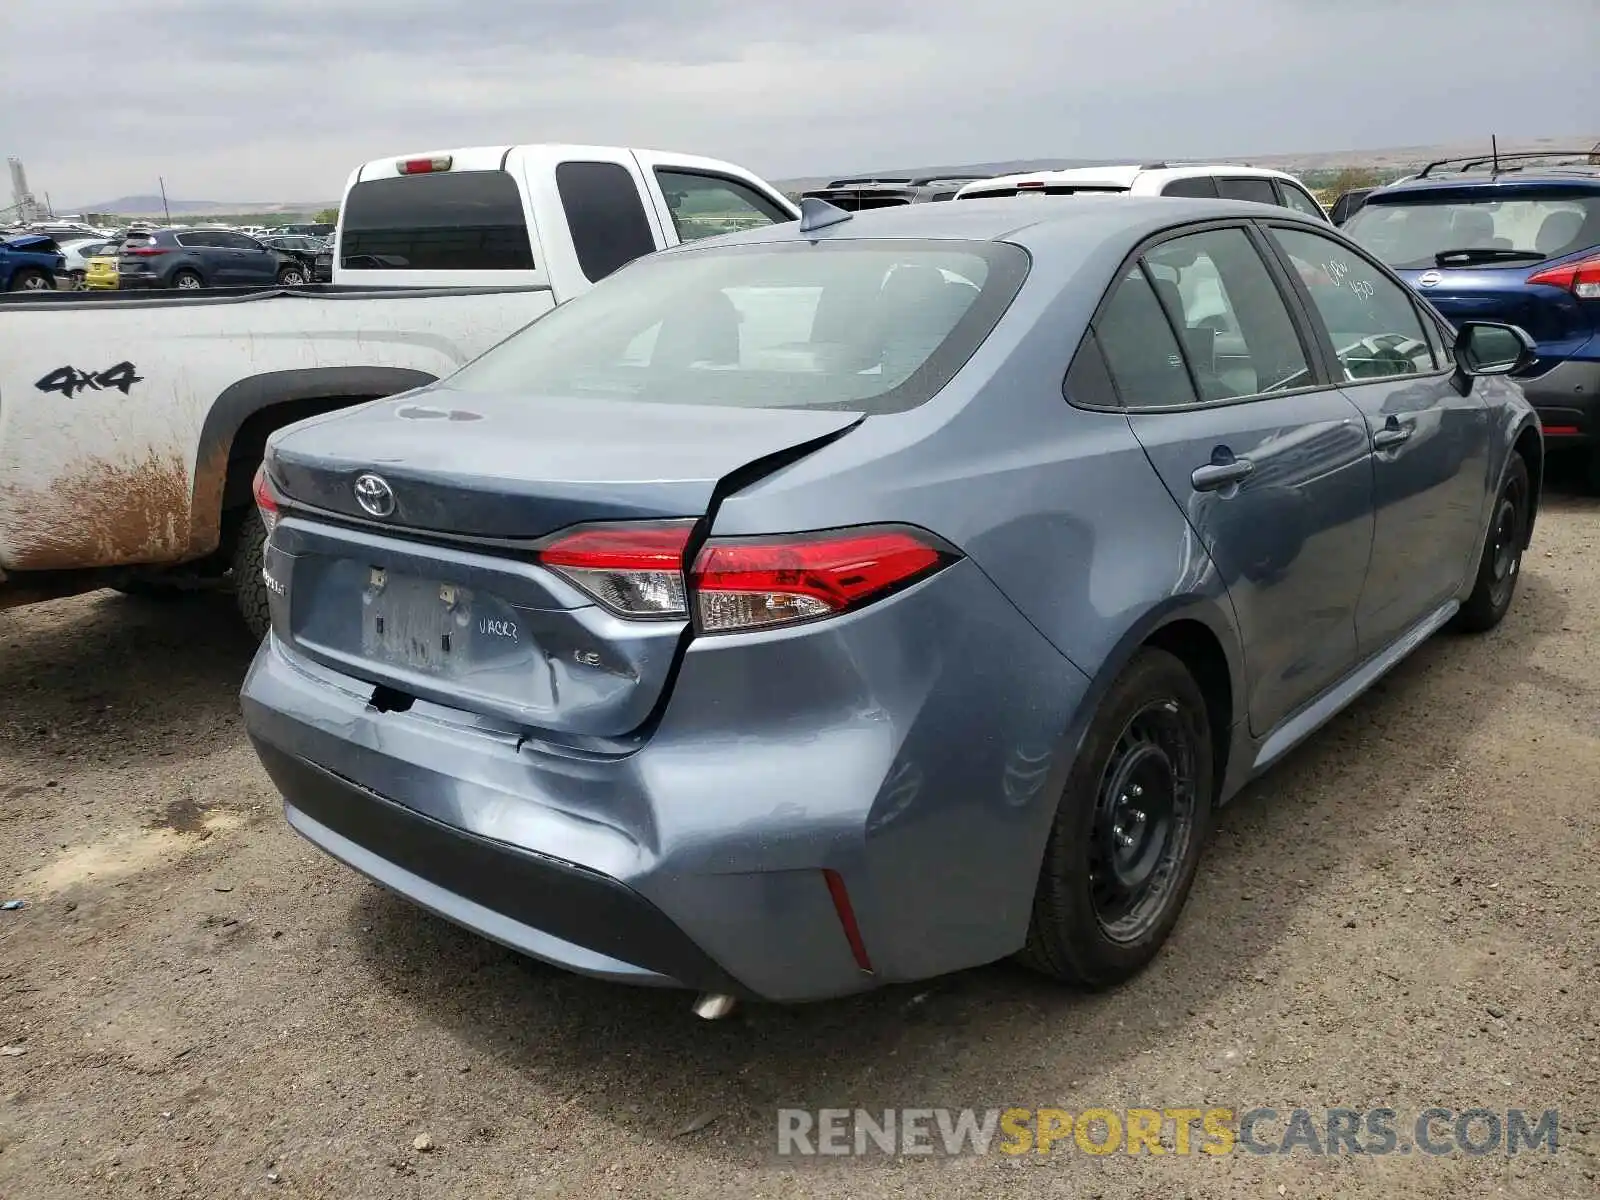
(637,570)
(749,583)
(634,570)
(1581,278)
(423,166)
(1560,431)
(146,251)
(266,502)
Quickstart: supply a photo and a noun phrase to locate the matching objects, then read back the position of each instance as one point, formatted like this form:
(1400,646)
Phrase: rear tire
(80,280)
(187,281)
(1501,561)
(1128,832)
(249,588)
(291,277)
(31,279)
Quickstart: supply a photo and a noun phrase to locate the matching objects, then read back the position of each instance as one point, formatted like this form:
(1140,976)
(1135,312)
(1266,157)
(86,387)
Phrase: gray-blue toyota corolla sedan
(865,598)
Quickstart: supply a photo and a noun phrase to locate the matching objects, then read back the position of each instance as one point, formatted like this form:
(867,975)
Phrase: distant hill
(150,206)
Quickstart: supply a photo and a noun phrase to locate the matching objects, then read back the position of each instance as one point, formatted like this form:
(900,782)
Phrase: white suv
(1156,179)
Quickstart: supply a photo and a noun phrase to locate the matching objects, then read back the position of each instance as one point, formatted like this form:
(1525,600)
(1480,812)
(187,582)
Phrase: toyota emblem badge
(374,495)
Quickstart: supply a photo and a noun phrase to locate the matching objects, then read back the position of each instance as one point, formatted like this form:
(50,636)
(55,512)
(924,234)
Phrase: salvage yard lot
(1402,915)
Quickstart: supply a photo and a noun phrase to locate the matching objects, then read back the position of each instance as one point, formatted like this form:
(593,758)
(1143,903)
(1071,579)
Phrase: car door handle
(1217,475)
(1393,433)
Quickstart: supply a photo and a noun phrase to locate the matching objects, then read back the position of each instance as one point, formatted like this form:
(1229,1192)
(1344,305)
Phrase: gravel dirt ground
(196,1003)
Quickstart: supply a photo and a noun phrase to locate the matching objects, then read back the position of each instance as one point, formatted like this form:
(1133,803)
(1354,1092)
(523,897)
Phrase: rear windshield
(466,221)
(861,325)
(1427,233)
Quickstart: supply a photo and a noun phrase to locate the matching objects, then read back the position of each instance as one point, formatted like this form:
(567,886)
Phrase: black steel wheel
(1143,821)
(1128,832)
(1500,564)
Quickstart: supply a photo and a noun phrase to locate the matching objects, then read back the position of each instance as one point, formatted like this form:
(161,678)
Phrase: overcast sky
(279,99)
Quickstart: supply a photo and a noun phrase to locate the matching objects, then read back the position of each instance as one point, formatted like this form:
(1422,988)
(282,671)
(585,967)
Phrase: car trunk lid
(435,588)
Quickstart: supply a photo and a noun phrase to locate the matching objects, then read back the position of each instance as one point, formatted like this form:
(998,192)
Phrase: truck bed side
(118,420)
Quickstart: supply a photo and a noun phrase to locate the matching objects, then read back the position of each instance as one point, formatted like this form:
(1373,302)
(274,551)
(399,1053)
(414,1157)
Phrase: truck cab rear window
(467,221)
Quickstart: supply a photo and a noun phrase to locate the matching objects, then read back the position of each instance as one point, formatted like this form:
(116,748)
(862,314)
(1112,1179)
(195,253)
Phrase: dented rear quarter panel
(103,403)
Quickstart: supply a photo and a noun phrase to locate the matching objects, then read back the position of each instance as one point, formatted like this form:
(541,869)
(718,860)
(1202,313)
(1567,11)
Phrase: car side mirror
(1490,348)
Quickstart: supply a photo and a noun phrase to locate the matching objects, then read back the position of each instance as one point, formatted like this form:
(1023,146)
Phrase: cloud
(279,99)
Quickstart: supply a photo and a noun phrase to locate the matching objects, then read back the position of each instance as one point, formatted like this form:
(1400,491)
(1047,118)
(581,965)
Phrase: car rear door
(254,263)
(1267,459)
(202,249)
(1430,443)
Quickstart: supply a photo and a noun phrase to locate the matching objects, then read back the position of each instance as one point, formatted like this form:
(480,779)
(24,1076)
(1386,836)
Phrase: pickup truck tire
(249,589)
(31,279)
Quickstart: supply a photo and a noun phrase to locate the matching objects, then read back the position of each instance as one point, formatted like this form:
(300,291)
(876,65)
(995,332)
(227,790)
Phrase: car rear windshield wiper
(1482,254)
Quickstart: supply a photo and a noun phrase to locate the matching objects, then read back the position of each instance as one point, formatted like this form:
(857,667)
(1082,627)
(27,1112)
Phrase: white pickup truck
(131,424)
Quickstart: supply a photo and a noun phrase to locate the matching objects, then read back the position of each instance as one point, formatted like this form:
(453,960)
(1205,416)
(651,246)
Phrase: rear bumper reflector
(847,919)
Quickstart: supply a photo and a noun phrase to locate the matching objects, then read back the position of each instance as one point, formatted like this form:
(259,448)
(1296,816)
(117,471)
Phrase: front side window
(1374,327)
(851,325)
(1236,329)
(450,221)
(1417,232)
(706,205)
(1294,198)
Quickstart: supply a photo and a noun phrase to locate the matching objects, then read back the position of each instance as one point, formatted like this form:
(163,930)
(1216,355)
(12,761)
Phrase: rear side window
(706,205)
(1255,189)
(1139,347)
(1088,382)
(605,215)
(1195,185)
(1236,329)
(462,221)
(197,240)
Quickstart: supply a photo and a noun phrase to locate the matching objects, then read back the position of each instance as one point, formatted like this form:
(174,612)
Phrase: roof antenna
(816,213)
(1494,151)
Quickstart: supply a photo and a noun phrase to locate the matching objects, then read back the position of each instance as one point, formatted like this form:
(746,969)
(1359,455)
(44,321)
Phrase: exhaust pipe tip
(713,1006)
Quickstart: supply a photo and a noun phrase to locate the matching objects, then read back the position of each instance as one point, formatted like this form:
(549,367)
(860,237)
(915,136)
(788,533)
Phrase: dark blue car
(1516,238)
(864,598)
(187,259)
(30,262)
